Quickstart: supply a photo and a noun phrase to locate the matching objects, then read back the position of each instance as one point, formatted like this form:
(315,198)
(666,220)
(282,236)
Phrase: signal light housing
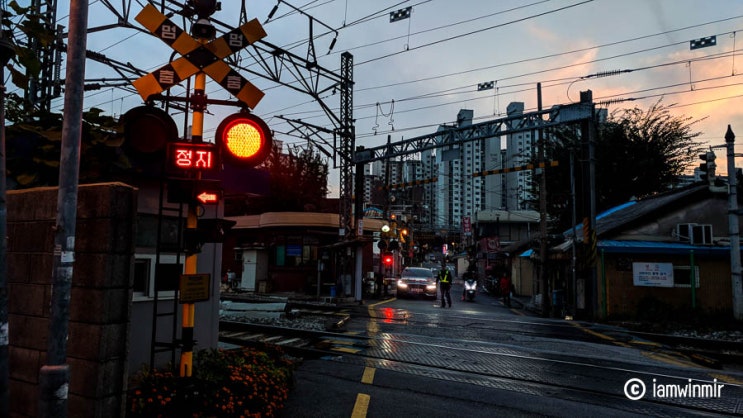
(148,129)
(245,139)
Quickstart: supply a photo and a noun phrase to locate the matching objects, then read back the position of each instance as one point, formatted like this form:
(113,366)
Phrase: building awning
(296,220)
(645,247)
(656,247)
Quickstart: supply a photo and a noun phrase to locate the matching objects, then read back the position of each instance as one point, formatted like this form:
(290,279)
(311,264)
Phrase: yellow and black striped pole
(188,314)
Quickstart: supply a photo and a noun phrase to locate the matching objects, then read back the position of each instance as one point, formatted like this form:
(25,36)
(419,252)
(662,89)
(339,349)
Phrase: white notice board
(652,274)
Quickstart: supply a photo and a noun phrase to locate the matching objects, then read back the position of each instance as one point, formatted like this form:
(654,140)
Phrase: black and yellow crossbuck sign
(197,56)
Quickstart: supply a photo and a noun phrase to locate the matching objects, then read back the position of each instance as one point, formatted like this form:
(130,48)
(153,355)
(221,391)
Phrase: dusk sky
(415,74)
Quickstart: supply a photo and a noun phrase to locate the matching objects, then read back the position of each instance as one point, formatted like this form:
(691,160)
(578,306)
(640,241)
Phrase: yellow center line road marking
(340,342)
(592,332)
(668,359)
(725,378)
(381,302)
(368,376)
(361,406)
(346,350)
(371,326)
(661,357)
(518,312)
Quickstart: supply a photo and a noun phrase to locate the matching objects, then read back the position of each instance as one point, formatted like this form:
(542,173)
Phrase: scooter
(470,288)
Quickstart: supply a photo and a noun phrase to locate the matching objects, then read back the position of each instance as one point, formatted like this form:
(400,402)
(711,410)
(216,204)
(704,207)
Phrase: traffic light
(207,230)
(707,168)
(245,140)
(147,130)
(193,191)
(387,259)
(204,8)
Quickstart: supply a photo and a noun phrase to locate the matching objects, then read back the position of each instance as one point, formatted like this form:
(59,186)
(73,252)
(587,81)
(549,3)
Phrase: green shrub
(225,383)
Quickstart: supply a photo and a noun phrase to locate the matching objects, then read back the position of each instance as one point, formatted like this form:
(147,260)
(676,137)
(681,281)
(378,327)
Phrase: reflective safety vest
(445,276)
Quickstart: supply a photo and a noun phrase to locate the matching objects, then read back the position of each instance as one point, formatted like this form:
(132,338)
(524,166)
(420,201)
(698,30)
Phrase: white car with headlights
(416,281)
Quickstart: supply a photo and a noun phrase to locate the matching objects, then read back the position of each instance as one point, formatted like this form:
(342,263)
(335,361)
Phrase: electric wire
(434,94)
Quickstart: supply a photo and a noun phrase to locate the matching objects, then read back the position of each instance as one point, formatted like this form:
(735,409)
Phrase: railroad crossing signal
(197,56)
(191,156)
(245,139)
(208,198)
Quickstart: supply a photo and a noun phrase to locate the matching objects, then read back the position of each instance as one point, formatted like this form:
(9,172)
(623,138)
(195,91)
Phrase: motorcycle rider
(444,280)
(469,274)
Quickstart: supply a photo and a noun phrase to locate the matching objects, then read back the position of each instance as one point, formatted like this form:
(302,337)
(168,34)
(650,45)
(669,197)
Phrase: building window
(293,251)
(168,274)
(682,276)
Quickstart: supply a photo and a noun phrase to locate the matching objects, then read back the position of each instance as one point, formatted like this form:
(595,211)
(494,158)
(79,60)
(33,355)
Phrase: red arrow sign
(208,197)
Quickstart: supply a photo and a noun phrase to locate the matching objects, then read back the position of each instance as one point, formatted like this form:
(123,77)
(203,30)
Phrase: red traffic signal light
(245,139)
(387,259)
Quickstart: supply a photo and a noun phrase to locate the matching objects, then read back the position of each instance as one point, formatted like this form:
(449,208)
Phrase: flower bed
(225,383)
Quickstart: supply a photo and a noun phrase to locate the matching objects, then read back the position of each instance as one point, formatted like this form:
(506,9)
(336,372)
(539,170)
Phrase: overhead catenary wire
(503,86)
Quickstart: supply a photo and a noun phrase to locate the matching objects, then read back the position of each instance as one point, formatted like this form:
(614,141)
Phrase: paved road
(483,359)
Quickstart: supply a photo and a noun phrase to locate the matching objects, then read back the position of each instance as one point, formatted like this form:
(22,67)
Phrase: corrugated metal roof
(657,247)
(622,215)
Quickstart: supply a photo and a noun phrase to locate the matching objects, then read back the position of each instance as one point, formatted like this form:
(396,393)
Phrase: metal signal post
(202,55)
(188,314)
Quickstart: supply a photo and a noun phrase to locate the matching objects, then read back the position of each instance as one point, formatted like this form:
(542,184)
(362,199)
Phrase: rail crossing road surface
(481,359)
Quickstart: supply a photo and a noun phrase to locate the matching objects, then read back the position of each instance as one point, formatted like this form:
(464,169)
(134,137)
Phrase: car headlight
(431,286)
(402,284)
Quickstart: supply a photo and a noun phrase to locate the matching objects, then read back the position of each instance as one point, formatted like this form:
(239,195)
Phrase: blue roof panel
(656,247)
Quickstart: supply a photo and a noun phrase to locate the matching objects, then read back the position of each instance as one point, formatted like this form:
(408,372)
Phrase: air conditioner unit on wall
(694,233)
(684,232)
(702,234)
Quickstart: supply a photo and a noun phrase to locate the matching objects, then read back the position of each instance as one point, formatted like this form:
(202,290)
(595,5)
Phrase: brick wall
(100,304)
(713,296)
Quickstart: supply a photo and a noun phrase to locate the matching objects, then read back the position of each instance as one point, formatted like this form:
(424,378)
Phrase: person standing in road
(232,279)
(505,290)
(444,280)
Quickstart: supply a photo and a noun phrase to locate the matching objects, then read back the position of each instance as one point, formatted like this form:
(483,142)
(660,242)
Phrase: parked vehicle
(417,281)
(492,286)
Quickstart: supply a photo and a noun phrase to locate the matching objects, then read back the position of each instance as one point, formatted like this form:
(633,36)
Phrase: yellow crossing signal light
(245,139)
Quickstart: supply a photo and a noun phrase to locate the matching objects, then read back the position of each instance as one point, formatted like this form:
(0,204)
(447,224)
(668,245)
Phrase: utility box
(255,268)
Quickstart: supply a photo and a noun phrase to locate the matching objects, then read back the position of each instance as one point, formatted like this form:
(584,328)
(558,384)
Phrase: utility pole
(54,377)
(543,284)
(733,228)
(6,52)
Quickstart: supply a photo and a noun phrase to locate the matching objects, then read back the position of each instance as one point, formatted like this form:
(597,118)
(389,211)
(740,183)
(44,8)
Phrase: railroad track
(295,341)
(705,351)
(482,363)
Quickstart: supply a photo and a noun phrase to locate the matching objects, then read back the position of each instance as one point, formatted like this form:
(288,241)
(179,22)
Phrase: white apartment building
(456,193)
(520,149)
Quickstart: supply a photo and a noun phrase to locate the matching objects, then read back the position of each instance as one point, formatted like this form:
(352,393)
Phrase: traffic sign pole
(201,56)
(188,314)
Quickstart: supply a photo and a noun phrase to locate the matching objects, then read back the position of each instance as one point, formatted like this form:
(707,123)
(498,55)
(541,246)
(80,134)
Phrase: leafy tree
(25,27)
(33,149)
(298,182)
(638,153)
